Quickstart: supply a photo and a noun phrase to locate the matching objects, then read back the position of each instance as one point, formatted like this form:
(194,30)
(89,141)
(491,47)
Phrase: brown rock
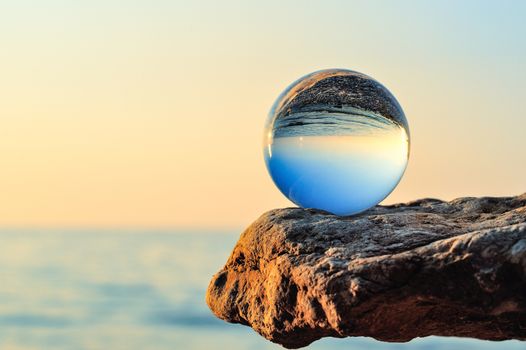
(392,273)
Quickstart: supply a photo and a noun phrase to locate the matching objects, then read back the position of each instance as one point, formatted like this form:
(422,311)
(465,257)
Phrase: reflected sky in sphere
(336,140)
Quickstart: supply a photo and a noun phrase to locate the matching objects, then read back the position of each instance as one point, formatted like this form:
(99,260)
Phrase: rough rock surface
(393,273)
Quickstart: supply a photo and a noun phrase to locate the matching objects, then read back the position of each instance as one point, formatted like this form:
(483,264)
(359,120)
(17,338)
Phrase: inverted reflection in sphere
(336,140)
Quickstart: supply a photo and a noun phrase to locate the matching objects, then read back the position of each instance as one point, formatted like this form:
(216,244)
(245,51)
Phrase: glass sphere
(336,140)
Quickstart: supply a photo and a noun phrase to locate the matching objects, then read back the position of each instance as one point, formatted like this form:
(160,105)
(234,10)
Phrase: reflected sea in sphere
(336,140)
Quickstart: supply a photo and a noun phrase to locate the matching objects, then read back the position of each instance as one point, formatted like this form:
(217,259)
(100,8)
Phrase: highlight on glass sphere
(336,140)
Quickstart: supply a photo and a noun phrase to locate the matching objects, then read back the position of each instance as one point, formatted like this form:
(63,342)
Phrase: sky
(151,113)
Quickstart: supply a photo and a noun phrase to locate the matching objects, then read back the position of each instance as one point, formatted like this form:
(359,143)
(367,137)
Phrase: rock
(393,273)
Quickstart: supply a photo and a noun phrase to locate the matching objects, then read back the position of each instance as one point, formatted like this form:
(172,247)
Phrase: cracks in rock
(393,273)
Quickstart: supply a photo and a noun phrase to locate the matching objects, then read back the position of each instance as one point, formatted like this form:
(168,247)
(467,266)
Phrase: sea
(132,289)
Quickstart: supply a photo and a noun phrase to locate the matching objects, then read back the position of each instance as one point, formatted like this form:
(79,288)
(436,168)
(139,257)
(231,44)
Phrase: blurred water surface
(133,290)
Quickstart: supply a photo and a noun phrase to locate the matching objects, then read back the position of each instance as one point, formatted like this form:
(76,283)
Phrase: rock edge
(393,273)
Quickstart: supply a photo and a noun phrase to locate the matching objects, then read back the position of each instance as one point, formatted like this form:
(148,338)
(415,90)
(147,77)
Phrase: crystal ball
(336,140)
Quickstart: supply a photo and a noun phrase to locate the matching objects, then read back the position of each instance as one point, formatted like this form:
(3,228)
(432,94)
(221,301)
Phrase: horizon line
(7,229)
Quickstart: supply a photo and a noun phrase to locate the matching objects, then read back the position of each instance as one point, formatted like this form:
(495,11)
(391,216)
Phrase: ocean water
(82,289)
(330,121)
(340,165)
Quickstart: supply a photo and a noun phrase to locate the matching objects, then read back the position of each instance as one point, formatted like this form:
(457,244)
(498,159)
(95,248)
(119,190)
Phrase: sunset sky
(150,114)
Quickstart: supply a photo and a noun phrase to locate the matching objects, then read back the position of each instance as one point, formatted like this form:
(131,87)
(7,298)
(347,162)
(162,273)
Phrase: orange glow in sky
(153,115)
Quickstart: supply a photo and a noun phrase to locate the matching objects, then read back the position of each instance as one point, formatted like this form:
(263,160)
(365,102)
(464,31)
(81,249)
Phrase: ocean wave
(331,122)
